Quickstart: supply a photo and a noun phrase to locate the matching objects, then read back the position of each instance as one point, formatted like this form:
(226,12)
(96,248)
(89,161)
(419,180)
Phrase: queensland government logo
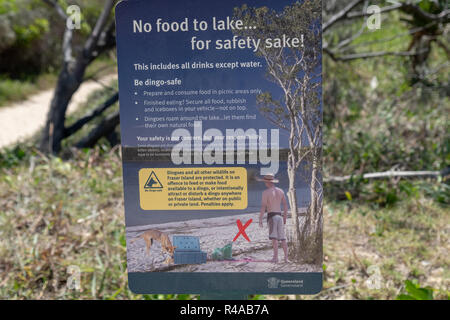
(153,183)
(273,283)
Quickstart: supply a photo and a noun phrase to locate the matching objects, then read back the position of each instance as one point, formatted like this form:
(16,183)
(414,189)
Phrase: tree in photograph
(297,71)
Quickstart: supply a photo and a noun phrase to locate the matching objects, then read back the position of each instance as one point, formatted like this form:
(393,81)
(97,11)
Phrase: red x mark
(242,229)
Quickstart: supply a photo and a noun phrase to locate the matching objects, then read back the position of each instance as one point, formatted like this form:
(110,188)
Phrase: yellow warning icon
(153,182)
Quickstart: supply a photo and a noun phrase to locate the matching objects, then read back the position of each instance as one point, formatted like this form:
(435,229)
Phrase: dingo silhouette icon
(153,182)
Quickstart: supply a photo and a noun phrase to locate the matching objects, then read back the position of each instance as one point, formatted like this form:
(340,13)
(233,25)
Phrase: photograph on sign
(221,125)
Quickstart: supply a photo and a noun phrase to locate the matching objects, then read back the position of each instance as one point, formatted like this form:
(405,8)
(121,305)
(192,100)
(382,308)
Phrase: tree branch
(404,7)
(98,111)
(341,14)
(366,55)
(387,174)
(54,4)
(92,41)
(409,8)
(68,32)
(104,129)
(354,15)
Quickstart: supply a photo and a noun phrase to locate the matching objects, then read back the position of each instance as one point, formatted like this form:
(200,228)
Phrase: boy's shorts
(276,228)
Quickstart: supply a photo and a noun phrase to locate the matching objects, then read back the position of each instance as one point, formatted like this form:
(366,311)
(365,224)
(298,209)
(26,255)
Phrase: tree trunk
(311,241)
(312,226)
(54,129)
(294,252)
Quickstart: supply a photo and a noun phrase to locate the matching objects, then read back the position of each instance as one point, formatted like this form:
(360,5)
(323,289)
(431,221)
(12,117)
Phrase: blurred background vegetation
(31,42)
(381,113)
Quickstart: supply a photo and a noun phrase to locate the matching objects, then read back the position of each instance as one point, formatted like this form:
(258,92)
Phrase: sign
(220,112)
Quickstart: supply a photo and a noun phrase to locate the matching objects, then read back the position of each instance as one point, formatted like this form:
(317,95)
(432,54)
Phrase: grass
(56,214)
(14,91)
(406,241)
(64,225)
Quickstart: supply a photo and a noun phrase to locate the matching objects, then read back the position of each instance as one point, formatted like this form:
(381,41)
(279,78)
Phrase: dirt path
(213,233)
(21,120)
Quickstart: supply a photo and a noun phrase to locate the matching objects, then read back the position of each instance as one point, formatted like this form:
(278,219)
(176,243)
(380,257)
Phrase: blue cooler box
(188,250)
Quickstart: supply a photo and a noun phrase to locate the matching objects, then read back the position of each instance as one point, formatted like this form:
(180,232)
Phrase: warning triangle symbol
(153,182)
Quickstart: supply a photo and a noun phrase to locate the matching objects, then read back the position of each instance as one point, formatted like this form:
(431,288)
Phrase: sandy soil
(214,233)
(21,120)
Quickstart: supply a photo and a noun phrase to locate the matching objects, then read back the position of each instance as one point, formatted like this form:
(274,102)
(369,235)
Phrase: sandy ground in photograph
(23,119)
(253,256)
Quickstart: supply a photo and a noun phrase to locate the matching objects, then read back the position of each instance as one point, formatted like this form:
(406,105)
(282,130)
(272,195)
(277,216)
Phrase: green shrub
(415,292)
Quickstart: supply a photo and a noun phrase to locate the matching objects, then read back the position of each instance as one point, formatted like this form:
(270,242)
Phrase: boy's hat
(268,178)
